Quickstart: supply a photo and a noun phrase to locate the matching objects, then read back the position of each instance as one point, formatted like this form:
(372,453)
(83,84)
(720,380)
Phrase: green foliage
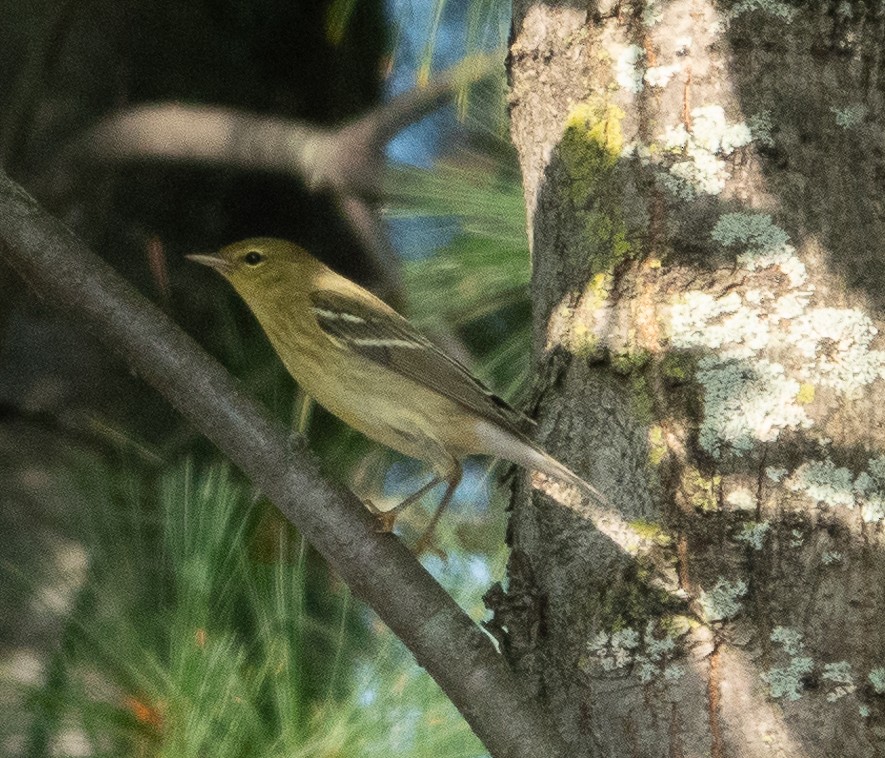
(194,634)
(478,283)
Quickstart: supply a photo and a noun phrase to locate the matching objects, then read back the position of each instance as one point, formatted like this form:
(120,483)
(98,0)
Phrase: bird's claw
(385,519)
(425,545)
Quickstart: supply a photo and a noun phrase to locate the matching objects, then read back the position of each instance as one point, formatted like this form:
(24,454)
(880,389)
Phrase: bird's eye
(253,258)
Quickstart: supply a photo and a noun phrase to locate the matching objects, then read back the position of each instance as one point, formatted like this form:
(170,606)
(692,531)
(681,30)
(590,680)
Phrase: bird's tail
(547,464)
(522,451)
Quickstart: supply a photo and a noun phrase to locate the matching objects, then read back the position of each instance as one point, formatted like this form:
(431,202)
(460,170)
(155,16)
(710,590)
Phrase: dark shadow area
(820,80)
(64,398)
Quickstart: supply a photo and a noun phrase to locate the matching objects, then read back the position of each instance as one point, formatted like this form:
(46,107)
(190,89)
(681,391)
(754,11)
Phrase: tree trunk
(703,185)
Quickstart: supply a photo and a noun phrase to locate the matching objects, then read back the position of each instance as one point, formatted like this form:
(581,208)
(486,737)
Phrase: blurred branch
(378,568)
(347,160)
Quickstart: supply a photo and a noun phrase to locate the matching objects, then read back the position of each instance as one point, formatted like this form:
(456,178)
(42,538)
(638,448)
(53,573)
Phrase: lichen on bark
(710,355)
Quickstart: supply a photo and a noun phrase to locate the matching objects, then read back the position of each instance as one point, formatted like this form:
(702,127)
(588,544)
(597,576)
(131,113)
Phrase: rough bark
(703,185)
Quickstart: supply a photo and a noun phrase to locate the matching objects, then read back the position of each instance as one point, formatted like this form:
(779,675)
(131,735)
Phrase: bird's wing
(380,334)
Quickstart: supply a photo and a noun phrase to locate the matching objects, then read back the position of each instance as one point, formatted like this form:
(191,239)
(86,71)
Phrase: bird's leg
(426,539)
(386,519)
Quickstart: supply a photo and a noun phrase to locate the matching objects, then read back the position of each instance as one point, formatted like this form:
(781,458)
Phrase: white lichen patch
(831,557)
(650,656)
(660,76)
(723,601)
(786,681)
(652,13)
(683,45)
(696,157)
(628,68)
(841,675)
(742,499)
(836,343)
(872,509)
(749,398)
(850,115)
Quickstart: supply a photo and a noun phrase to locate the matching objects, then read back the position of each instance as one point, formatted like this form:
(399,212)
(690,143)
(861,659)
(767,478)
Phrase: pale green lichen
(754,230)
(876,467)
(841,675)
(850,116)
(747,397)
(616,650)
(831,557)
(775,474)
(753,534)
(722,602)
(762,128)
(877,679)
(786,682)
(745,404)
(827,484)
(776,8)
(648,654)
(764,244)
(824,483)
(788,638)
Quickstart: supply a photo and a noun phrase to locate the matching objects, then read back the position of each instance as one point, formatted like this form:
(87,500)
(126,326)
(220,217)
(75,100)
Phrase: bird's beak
(212,261)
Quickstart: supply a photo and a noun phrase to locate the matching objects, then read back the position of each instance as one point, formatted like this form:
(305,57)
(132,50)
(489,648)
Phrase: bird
(369,366)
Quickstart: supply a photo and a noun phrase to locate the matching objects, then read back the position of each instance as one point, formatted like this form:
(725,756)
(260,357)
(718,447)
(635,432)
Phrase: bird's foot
(425,544)
(385,519)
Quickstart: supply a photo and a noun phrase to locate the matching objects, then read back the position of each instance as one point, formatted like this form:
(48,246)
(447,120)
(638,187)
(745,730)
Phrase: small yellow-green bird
(369,366)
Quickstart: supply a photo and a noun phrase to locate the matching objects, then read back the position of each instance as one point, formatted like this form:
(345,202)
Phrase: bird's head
(255,265)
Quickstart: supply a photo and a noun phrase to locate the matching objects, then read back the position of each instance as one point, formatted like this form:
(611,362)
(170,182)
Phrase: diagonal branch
(347,160)
(379,569)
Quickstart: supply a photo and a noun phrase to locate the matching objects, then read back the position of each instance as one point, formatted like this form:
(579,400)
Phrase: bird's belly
(387,407)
